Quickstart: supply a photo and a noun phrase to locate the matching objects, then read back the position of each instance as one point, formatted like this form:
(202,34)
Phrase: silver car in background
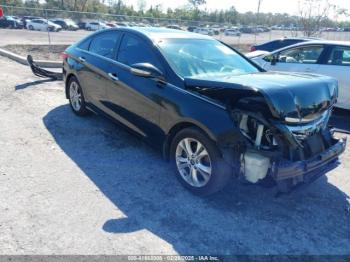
(330,58)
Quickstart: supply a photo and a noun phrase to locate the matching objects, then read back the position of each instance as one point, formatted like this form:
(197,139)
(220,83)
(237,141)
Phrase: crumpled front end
(285,152)
(281,120)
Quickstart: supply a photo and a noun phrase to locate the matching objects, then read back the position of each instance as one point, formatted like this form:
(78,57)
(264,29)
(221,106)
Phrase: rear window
(340,56)
(85,44)
(292,42)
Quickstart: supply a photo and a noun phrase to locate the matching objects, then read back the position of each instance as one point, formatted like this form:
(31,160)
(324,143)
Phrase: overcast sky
(274,6)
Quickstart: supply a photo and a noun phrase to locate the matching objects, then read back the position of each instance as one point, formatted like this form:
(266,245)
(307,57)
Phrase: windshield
(203,57)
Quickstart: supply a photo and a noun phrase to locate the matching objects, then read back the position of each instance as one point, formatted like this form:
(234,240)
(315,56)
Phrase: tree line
(194,11)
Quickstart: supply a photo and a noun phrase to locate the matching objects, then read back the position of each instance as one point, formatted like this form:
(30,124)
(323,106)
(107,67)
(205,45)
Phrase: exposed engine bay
(270,141)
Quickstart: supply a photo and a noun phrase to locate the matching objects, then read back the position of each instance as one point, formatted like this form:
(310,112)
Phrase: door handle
(82,59)
(113,77)
(309,70)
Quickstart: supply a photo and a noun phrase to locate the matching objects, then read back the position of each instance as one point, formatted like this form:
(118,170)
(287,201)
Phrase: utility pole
(257,20)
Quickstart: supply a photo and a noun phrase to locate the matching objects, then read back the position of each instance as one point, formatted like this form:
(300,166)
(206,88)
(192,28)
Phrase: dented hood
(292,97)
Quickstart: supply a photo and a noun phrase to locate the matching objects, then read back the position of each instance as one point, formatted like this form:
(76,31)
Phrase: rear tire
(200,169)
(76,97)
(31,27)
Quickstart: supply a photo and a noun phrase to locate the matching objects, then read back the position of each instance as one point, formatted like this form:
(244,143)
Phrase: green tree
(197,3)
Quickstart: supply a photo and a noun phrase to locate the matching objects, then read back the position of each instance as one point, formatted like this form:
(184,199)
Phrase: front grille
(302,132)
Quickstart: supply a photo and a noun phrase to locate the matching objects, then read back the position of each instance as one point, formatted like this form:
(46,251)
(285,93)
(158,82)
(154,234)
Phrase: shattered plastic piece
(38,71)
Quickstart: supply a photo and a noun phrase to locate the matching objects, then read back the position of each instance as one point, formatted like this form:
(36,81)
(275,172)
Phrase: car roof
(315,42)
(329,42)
(154,33)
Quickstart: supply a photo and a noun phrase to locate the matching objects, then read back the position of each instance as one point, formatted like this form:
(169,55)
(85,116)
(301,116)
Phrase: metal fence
(66,37)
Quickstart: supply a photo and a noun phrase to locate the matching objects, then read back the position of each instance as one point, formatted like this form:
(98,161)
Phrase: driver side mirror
(146,70)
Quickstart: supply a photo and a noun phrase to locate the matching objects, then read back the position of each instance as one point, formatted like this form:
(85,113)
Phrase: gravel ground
(27,37)
(38,52)
(73,185)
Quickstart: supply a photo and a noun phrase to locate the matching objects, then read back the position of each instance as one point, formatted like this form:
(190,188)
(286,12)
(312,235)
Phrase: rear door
(97,60)
(304,59)
(133,99)
(337,65)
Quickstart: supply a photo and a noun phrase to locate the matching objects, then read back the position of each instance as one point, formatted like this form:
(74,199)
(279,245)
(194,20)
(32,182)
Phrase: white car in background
(233,32)
(94,26)
(204,31)
(330,58)
(43,25)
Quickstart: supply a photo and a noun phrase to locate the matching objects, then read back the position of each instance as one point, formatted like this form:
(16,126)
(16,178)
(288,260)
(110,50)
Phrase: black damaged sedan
(211,111)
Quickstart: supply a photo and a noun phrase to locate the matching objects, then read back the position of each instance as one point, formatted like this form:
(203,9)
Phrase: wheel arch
(176,129)
(69,76)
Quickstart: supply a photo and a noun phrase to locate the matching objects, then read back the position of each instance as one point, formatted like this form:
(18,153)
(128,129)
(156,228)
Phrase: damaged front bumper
(291,169)
(292,155)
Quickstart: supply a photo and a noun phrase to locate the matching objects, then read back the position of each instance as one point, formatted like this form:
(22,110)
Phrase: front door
(132,98)
(300,59)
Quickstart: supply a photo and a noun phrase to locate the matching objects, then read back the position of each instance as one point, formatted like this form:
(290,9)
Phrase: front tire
(76,97)
(198,162)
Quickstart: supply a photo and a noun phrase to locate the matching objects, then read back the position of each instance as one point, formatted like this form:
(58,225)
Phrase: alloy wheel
(75,96)
(193,162)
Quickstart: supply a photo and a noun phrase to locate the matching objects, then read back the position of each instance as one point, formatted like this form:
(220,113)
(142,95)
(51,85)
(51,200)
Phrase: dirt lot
(53,52)
(27,37)
(72,185)
(42,52)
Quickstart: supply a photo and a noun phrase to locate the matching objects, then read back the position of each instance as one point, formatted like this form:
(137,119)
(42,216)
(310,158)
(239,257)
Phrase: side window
(340,56)
(268,58)
(302,55)
(134,50)
(104,44)
(85,44)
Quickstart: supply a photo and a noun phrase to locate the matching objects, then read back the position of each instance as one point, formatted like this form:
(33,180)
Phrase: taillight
(252,49)
(64,55)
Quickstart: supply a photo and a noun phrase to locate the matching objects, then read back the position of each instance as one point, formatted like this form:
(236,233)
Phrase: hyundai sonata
(210,110)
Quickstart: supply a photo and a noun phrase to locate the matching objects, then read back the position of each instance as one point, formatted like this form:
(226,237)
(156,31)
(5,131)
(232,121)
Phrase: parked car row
(11,22)
(227,31)
(58,24)
(299,28)
(69,24)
